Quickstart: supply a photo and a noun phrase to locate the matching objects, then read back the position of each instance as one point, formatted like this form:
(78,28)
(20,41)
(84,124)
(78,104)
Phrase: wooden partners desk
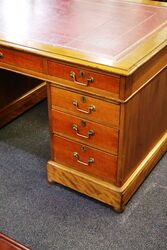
(105,63)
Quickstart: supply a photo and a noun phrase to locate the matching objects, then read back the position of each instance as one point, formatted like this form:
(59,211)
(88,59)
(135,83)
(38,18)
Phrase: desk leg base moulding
(117,197)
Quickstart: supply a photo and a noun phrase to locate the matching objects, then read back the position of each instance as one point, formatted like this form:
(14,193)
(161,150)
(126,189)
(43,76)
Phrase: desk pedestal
(105,147)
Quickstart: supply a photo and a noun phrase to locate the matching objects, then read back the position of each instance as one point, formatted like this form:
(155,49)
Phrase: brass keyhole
(83,123)
(83,148)
(81,74)
(83,99)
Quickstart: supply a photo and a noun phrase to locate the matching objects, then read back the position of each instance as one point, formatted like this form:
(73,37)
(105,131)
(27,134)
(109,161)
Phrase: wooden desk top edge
(125,66)
(150,2)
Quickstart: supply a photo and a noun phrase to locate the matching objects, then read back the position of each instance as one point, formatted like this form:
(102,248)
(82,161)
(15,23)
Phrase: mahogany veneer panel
(145,122)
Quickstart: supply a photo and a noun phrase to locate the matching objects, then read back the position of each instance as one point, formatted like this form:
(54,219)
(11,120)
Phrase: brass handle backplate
(90,132)
(73,76)
(90,108)
(91,160)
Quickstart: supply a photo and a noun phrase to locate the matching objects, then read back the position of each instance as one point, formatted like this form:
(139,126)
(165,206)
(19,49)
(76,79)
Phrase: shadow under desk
(18,93)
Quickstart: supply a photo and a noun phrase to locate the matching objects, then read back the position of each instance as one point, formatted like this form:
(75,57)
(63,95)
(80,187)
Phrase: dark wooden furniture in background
(7,243)
(106,74)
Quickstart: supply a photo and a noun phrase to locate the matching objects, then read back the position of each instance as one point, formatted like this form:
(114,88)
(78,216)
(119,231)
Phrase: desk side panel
(145,122)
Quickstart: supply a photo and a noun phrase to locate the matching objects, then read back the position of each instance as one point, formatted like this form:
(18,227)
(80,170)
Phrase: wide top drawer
(84,78)
(20,59)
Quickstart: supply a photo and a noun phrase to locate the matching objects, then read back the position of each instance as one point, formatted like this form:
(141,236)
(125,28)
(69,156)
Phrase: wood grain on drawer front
(85,131)
(100,81)
(22,59)
(104,112)
(104,165)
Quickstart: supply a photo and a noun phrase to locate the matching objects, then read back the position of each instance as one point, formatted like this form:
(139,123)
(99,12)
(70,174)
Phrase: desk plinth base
(103,191)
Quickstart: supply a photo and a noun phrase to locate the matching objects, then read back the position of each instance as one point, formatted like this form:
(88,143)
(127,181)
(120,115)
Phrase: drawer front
(85,159)
(21,59)
(85,107)
(87,132)
(84,78)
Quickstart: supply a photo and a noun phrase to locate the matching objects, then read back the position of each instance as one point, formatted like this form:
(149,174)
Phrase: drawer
(85,131)
(84,78)
(21,59)
(84,106)
(84,158)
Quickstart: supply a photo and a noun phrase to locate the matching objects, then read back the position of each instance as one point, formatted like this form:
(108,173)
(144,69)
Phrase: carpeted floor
(49,217)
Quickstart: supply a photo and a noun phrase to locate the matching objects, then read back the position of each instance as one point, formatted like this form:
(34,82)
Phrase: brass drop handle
(90,132)
(90,108)
(91,160)
(73,75)
(1,55)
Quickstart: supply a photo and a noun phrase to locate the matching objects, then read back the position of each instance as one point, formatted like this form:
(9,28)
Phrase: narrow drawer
(21,59)
(85,107)
(84,158)
(85,131)
(84,78)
